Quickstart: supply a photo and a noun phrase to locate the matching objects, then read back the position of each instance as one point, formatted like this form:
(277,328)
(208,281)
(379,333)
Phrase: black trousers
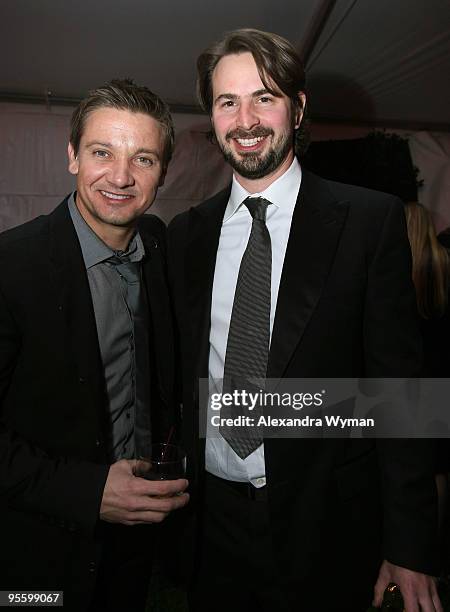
(239,572)
(124,571)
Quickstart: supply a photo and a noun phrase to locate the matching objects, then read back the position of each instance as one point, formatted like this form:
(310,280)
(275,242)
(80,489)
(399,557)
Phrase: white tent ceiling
(384,62)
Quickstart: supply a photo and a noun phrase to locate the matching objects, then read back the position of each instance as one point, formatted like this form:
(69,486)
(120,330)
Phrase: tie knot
(257,207)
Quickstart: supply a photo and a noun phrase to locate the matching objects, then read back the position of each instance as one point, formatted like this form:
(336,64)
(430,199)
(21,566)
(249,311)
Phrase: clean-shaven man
(86,366)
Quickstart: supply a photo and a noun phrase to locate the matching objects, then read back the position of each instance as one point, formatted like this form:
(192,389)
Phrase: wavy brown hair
(278,64)
(430,262)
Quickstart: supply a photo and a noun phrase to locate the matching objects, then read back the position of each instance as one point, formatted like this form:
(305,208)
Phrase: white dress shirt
(221,460)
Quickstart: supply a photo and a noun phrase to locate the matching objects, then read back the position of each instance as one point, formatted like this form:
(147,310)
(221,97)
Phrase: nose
(120,174)
(247,116)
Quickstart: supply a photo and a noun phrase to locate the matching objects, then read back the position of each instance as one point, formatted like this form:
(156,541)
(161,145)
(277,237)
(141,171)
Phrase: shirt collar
(278,192)
(94,250)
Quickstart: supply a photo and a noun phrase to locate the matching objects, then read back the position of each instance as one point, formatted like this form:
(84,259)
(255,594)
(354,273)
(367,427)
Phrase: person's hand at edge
(418,590)
(130,500)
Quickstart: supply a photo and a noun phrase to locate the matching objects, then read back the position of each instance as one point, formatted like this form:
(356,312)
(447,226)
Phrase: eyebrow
(254,94)
(148,151)
(95,143)
(108,145)
(226,96)
(261,92)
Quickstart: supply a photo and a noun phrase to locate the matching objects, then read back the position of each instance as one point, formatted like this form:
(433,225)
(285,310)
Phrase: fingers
(140,518)
(150,509)
(435,597)
(420,605)
(145,503)
(421,596)
(130,500)
(437,602)
(378,593)
(160,488)
(418,590)
(411,604)
(381,584)
(143,509)
(412,601)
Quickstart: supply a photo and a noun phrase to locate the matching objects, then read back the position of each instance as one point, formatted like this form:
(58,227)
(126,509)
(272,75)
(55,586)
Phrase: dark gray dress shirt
(116,320)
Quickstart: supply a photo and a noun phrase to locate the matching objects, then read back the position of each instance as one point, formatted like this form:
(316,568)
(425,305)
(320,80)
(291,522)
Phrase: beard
(254,164)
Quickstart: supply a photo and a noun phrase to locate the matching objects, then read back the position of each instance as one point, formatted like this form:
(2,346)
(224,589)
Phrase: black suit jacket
(53,463)
(346,308)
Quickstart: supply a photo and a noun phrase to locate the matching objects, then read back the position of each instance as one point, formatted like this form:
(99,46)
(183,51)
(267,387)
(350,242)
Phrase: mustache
(257,132)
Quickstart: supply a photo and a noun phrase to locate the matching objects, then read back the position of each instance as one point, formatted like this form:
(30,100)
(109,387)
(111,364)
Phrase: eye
(265,99)
(144,161)
(101,154)
(228,104)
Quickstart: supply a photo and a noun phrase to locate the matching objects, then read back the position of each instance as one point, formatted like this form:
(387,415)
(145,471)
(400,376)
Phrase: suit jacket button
(92,566)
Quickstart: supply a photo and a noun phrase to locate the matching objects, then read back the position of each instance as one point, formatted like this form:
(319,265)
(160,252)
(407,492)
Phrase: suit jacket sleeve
(53,489)
(393,350)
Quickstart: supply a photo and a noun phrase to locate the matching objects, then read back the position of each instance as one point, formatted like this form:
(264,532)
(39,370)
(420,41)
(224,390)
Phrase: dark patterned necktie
(249,333)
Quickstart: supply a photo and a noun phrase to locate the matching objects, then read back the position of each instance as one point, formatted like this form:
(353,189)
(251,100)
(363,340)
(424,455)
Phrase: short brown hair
(123,94)
(277,61)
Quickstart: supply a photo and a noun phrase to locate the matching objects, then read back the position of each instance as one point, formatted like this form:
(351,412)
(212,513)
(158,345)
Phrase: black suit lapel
(316,227)
(161,314)
(75,301)
(205,223)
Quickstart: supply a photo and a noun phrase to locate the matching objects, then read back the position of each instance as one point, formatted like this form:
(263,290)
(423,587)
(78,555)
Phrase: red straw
(168,440)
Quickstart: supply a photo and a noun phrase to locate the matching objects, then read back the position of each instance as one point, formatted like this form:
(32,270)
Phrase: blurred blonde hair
(430,262)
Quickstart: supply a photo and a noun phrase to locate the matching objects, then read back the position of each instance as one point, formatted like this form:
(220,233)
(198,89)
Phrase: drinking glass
(163,462)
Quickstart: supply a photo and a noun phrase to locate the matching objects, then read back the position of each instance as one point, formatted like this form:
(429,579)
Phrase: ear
(300,109)
(73,160)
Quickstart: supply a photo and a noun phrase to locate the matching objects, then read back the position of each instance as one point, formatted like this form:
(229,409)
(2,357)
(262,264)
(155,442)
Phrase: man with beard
(286,275)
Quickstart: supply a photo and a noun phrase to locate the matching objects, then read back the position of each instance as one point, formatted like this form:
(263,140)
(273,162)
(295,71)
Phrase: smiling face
(254,128)
(119,167)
